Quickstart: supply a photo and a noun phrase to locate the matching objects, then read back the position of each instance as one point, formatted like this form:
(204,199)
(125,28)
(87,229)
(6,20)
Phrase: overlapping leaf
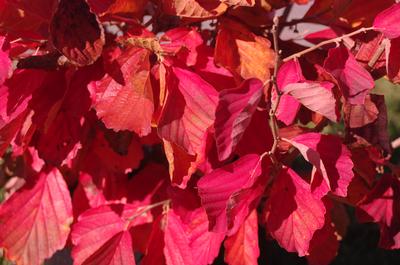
(355,82)
(293,213)
(189,111)
(316,96)
(331,159)
(234,112)
(217,189)
(240,50)
(101,235)
(123,98)
(289,73)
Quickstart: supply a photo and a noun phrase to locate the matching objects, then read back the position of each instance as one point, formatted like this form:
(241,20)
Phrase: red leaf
(104,7)
(360,115)
(218,77)
(242,247)
(393,61)
(316,96)
(26,18)
(382,205)
(123,99)
(294,214)
(233,115)
(181,164)
(76,32)
(257,138)
(217,189)
(155,249)
(323,246)
(63,127)
(240,50)
(101,235)
(355,82)
(189,111)
(194,8)
(34,222)
(331,159)
(388,23)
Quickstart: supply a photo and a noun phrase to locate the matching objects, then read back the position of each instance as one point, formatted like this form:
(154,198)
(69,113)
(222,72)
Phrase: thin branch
(147,208)
(272,114)
(321,44)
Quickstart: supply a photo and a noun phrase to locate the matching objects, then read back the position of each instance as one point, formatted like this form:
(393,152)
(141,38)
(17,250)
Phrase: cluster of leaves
(168,128)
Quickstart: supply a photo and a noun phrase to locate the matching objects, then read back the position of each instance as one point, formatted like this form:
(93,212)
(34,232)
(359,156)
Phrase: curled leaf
(76,32)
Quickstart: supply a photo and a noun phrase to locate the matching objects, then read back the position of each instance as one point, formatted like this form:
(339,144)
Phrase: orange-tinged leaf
(123,99)
(102,7)
(243,52)
(242,247)
(35,221)
(181,164)
(194,8)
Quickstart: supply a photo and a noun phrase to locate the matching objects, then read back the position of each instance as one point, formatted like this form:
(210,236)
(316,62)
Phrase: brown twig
(272,113)
(321,44)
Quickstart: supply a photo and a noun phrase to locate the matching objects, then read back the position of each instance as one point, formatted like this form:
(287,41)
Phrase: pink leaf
(123,99)
(205,245)
(217,188)
(189,111)
(331,159)
(34,222)
(316,96)
(101,235)
(242,247)
(294,214)
(381,204)
(234,112)
(289,73)
(177,250)
(388,21)
(182,42)
(355,82)
(5,62)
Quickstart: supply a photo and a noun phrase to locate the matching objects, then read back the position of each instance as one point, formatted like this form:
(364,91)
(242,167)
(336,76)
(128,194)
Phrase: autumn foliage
(165,131)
